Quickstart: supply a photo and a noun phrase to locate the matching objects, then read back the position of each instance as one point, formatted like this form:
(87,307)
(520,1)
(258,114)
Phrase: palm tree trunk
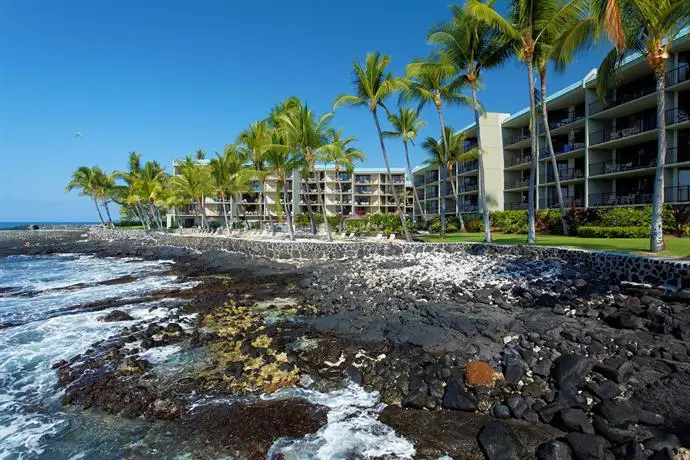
(144,217)
(482,172)
(288,216)
(265,203)
(321,200)
(552,154)
(100,216)
(458,213)
(107,211)
(310,211)
(225,213)
(340,198)
(444,175)
(202,207)
(409,171)
(657,237)
(531,205)
(408,237)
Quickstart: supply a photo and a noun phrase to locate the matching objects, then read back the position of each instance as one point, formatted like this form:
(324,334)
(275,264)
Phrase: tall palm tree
(253,142)
(308,135)
(281,163)
(128,194)
(435,80)
(649,27)
(194,183)
(152,186)
(528,23)
(341,155)
(104,186)
(406,125)
(84,179)
(200,154)
(230,175)
(472,46)
(373,84)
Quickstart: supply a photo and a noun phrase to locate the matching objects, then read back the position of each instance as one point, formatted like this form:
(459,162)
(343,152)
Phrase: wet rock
(576,420)
(116,315)
(513,369)
(617,412)
(669,441)
(548,412)
(165,409)
(554,450)
(586,446)
(354,374)
(415,400)
(569,371)
(615,369)
(518,406)
(455,397)
(501,411)
(497,442)
(605,390)
(174,328)
(59,364)
(613,434)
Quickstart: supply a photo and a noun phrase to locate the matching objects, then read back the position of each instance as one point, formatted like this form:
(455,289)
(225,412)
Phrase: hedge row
(614,232)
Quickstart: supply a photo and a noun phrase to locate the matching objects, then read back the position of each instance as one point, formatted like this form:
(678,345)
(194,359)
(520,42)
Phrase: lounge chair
(379,236)
(391,237)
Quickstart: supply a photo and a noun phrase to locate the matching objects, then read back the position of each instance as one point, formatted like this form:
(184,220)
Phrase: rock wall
(622,267)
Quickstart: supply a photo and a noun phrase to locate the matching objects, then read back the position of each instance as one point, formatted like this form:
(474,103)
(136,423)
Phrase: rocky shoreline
(476,356)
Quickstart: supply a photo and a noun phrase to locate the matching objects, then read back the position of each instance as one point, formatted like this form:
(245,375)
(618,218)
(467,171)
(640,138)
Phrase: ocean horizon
(11,224)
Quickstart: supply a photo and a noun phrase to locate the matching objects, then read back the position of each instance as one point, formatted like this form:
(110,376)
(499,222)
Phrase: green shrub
(614,232)
(514,221)
(214,225)
(624,217)
(474,226)
(357,226)
(333,222)
(549,221)
(681,218)
(578,217)
(434,225)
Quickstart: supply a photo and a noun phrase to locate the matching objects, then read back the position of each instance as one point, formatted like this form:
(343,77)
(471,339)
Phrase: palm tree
(307,135)
(472,46)
(230,175)
(649,27)
(406,125)
(152,186)
(373,84)
(200,154)
(253,142)
(128,193)
(84,179)
(339,153)
(434,80)
(194,182)
(104,187)
(281,164)
(528,23)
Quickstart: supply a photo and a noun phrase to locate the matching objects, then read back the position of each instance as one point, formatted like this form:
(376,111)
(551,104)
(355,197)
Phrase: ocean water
(45,329)
(24,223)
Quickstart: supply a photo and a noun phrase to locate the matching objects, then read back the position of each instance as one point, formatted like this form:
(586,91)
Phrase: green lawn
(676,247)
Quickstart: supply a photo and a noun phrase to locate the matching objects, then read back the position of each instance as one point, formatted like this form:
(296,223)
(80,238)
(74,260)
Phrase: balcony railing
(363,191)
(678,75)
(418,183)
(676,115)
(468,187)
(605,135)
(568,202)
(431,178)
(468,208)
(516,205)
(518,161)
(554,124)
(468,166)
(563,175)
(616,199)
(599,106)
(677,194)
(678,155)
(610,167)
(565,148)
(515,139)
(510,184)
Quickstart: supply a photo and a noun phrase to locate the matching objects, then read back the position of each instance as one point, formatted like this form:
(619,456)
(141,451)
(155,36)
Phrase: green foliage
(474,226)
(578,217)
(333,222)
(549,221)
(357,226)
(214,225)
(434,225)
(681,218)
(624,217)
(378,223)
(514,221)
(614,232)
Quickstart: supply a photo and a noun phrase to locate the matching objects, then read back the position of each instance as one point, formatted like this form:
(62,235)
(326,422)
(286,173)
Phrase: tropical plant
(194,183)
(341,155)
(435,80)
(406,125)
(105,189)
(85,180)
(127,195)
(253,142)
(152,186)
(528,23)
(473,46)
(648,27)
(373,84)
(231,175)
(281,164)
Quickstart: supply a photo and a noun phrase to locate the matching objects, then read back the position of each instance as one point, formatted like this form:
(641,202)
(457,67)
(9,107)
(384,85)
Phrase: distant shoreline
(28,225)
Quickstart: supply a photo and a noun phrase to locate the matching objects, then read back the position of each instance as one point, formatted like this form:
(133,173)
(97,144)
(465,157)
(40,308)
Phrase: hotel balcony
(516,205)
(359,190)
(616,199)
(676,115)
(680,74)
(619,168)
(468,167)
(570,149)
(514,184)
(678,154)
(468,208)
(623,136)
(514,141)
(568,202)
(566,174)
(469,187)
(607,107)
(519,161)
(363,179)
(565,124)
(677,194)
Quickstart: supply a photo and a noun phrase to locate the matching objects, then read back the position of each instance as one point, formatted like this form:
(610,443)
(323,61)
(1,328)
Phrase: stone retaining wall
(622,267)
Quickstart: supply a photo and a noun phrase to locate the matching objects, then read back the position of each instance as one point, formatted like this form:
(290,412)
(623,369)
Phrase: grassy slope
(675,247)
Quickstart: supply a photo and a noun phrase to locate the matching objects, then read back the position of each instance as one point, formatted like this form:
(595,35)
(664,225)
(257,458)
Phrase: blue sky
(165,77)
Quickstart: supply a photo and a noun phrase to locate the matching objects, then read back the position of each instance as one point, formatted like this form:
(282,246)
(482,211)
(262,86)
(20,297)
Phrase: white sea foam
(353,429)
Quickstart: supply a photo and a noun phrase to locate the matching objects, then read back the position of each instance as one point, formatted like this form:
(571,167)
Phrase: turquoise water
(10,224)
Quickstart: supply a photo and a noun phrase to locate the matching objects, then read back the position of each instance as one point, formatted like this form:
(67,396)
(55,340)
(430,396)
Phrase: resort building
(464,178)
(365,191)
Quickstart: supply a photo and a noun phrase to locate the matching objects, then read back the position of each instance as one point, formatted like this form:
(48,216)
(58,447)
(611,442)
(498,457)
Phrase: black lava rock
(615,369)
(415,400)
(518,406)
(501,411)
(497,442)
(569,371)
(605,390)
(116,315)
(586,446)
(613,434)
(576,420)
(457,398)
(513,369)
(554,450)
